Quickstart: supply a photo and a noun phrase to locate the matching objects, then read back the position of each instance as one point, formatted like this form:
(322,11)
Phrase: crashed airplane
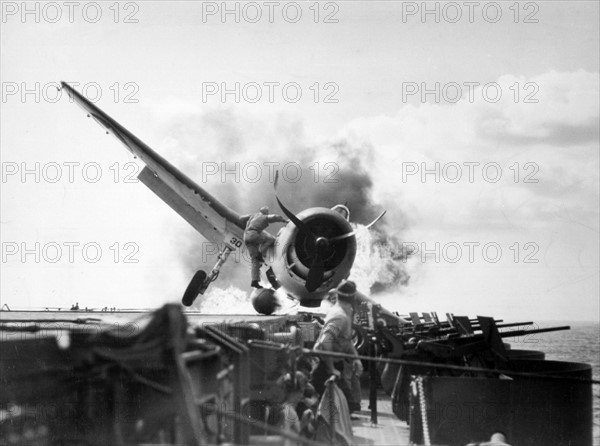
(311,255)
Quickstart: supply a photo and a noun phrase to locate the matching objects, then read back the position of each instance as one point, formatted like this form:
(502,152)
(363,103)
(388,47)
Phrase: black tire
(193,288)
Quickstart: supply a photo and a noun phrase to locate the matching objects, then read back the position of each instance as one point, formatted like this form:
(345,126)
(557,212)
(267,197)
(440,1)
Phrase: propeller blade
(289,214)
(316,273)
(350,234)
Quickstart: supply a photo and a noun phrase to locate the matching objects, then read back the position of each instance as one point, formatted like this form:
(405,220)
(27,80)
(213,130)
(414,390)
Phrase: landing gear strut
(201,280)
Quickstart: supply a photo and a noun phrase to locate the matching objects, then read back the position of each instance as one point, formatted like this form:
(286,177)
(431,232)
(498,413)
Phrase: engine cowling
(295,250)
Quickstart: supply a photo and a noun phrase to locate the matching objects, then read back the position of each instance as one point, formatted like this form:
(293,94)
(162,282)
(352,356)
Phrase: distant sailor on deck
(257,240)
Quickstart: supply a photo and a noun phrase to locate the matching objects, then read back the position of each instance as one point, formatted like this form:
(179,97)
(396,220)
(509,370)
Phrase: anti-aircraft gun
(457,380)
(474,346)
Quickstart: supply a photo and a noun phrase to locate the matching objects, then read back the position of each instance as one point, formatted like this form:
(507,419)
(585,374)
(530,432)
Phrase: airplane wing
(215,221)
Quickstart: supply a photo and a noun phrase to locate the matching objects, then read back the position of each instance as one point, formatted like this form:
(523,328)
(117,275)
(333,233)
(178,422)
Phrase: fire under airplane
(313,253)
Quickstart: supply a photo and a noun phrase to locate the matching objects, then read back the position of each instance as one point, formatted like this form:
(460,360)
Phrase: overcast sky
(477,123)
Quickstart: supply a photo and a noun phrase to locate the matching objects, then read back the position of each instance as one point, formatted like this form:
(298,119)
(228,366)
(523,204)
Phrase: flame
(378,267)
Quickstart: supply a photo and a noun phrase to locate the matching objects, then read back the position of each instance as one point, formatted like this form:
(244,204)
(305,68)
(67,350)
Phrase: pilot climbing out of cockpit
(257,240)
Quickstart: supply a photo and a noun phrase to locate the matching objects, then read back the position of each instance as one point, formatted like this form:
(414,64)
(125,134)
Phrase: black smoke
(323,174)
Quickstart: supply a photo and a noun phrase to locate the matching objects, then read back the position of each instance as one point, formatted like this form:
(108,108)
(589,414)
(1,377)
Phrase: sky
(476,125)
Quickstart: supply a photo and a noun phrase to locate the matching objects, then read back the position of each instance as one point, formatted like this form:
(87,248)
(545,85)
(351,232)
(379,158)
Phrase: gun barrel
(514,333)
(515,324)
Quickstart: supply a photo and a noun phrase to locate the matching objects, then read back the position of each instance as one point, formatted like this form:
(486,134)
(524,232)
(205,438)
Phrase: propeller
(316,271)
(350,234)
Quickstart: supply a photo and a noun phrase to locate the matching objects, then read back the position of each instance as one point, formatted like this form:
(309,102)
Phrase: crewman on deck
(257,240)
(336,336)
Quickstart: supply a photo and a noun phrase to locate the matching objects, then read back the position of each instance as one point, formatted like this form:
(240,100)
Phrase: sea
(579,344)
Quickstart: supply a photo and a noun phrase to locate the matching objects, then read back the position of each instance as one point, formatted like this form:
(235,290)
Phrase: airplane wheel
(193,288)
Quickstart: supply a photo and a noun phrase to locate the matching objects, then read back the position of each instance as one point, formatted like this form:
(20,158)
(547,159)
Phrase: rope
(423,404)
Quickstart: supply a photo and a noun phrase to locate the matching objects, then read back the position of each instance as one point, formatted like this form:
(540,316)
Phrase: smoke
(230,300)
(234,156)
